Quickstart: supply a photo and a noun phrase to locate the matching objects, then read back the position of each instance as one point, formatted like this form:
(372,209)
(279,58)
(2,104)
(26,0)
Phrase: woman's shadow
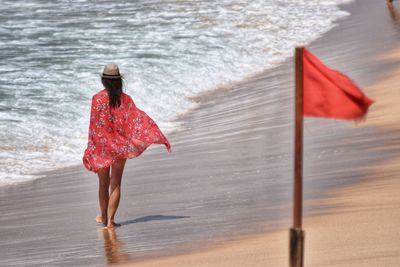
(153,218)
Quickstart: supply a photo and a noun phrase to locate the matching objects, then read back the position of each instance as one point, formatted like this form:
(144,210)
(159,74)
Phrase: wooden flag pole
(296,257)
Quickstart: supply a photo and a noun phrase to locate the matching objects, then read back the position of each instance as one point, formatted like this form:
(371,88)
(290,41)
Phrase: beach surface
(223,197)
(360,227)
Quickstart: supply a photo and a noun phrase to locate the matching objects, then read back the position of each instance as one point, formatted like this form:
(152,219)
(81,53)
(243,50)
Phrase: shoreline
(45,154)
(195,105)
(229,174)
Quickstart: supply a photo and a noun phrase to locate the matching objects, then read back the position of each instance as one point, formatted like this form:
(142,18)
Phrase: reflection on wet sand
(113,248)
(394,13)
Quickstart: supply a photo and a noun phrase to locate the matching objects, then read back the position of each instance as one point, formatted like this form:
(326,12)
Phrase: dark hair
(114,90)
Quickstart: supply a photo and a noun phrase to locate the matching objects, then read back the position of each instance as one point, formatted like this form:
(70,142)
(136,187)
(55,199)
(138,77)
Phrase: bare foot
(112,225)
(99,219)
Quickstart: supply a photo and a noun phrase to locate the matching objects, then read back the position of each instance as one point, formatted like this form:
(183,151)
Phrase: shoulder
(126,97)
(100,96)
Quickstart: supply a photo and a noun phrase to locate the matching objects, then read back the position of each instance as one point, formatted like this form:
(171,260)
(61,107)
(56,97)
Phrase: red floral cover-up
(123,132)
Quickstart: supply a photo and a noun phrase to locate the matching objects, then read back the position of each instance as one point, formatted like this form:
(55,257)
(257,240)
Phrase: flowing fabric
(123,132)
(329,93)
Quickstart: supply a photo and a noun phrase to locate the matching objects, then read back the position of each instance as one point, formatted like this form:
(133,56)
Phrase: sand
(223,197)
(362,230)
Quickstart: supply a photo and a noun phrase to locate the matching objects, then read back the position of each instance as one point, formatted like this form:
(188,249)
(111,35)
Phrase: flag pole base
(296,247)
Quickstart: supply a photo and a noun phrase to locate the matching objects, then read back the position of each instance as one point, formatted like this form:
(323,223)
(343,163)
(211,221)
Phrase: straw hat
(111,71)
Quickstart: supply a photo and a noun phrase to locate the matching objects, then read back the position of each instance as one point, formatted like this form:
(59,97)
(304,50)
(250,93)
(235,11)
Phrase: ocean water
(52,53)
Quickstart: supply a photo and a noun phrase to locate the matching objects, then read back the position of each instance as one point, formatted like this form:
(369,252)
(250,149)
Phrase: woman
(118,130)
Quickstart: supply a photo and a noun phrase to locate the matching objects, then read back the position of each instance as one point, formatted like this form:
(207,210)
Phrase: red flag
(329,93)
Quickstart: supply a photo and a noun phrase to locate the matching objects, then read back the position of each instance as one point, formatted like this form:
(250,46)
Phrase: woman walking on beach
(118,130)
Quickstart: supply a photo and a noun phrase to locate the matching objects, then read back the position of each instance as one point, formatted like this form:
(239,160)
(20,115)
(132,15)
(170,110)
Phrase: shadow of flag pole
(296,242)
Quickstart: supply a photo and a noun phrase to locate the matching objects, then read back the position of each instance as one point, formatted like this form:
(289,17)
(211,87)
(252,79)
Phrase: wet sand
(229,176)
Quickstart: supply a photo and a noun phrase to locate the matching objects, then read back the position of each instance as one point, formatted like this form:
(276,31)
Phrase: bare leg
(104,184)
(117,170)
